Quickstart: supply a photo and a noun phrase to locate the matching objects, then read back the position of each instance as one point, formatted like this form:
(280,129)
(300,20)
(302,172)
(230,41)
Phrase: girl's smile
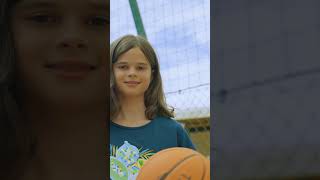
(61,49)
(132,83)
(71,69)
(132,73)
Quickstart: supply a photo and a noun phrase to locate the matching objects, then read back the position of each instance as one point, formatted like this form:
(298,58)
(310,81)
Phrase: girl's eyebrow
(121,63)
(37,4)
(144,64)
(140,63)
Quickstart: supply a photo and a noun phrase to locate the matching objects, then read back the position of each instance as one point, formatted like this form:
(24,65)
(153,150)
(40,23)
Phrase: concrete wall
(266,57)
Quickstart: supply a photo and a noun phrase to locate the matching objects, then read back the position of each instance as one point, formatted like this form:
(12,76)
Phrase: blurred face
(62,50)
(132,73)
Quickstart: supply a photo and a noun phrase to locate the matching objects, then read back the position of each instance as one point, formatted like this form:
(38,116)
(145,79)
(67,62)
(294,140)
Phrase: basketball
(174,164)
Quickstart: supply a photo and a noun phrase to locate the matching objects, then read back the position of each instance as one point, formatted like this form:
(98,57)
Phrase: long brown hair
(13,137)
(154,98)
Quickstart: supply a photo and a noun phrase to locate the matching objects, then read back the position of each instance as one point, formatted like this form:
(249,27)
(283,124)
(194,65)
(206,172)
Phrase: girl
(141,123)
(51,52)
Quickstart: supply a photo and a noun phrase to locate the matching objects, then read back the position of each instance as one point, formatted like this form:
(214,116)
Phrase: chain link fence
(180,33)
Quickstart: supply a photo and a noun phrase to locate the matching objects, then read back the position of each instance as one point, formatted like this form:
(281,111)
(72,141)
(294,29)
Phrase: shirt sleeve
(184,139)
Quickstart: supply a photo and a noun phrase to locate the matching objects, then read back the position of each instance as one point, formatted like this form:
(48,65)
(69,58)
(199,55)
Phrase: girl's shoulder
(167,122)
(165,119)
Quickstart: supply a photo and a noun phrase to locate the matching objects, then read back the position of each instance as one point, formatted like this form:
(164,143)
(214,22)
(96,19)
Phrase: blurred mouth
(72,70)
(132,83)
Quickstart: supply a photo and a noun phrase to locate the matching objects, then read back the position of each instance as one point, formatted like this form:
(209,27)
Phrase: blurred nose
(72,36)
(73,43)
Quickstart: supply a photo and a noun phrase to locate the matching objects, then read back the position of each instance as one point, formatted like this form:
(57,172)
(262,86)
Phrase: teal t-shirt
(131,147)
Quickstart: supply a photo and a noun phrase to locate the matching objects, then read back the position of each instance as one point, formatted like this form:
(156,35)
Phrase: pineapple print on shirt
(127,160)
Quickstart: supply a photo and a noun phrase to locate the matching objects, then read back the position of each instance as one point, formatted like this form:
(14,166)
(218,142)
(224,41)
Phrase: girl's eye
(99,21)
(141,68)
(123,67)
(44,19)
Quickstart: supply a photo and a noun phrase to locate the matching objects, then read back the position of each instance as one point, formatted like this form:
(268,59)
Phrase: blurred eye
(99,21)
(43,19)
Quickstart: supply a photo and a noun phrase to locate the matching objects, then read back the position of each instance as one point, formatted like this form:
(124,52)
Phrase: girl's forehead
(134,52)
(102,5)
(134,55)
(133,61)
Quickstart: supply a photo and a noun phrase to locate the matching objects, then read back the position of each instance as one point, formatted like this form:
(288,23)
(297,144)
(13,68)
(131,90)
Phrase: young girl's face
(132,73)
(62,49)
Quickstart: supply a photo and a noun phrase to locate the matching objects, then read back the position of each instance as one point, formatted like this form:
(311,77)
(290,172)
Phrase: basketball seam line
(164,176)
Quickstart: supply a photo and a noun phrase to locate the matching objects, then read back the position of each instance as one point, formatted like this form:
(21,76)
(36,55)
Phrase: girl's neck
(67,142)
(132,112)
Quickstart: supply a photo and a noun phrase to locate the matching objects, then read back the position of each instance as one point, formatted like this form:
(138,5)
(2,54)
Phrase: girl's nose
(72,37)
(73,43)
(132,72)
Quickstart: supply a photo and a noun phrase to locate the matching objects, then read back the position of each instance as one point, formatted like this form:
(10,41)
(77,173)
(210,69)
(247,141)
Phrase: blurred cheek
(30,43)
(98,46)
(28,50)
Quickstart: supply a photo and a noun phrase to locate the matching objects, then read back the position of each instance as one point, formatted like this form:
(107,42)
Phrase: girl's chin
(132,94)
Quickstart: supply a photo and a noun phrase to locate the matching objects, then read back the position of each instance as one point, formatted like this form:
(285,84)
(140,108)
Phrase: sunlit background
(180,33)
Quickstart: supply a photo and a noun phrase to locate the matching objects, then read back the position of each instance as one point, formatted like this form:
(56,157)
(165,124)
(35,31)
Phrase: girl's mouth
(72,70)
(132,82)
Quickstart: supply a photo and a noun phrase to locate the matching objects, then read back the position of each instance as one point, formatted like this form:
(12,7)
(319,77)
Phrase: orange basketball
(174,164)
